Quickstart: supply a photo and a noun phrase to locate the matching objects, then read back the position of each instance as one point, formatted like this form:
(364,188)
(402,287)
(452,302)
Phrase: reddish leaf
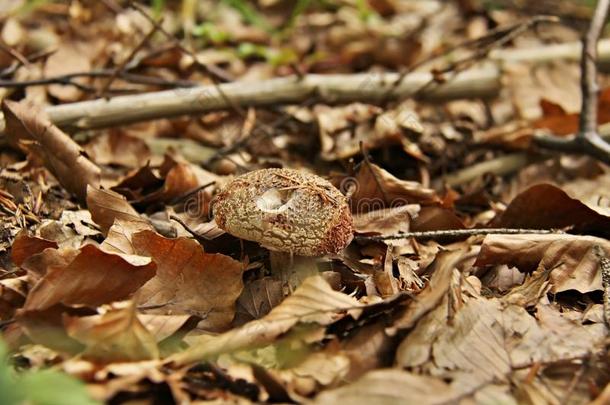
(25,246)
(93,278)
(546,206)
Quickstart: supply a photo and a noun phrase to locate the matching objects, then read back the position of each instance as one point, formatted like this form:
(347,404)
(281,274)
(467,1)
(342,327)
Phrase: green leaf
(49,387)
(11,395)
(45,387)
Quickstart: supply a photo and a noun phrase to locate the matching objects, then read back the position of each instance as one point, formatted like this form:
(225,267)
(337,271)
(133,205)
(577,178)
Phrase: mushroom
(285,210)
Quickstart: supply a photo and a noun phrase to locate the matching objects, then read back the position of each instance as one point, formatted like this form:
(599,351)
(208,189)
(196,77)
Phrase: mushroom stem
(291,269)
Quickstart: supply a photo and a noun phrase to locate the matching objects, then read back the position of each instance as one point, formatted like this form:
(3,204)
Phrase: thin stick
(458,233)
(587,141)
(604,268)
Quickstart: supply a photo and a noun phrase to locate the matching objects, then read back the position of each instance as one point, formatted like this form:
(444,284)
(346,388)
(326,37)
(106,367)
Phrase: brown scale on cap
(285,210)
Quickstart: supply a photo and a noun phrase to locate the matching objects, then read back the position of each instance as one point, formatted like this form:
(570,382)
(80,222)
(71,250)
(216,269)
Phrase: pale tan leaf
(117,335)
(313,302)
(107,206)
(389,387)
(571,257)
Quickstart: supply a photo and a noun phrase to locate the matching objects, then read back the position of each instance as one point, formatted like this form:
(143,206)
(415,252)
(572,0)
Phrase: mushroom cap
(285,210)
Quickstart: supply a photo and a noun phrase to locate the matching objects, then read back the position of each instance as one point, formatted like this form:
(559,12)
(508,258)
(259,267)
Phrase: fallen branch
(588,140)
(365,87)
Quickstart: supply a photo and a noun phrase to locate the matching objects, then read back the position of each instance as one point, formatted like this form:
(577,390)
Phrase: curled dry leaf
(92,278)
(285,210)
(118,148)
(387,221)
(373,188)
(313,302)
(545,206)
(189,281)
(116,335)
(107,206)
(29,128)
(570,257)
(25,246)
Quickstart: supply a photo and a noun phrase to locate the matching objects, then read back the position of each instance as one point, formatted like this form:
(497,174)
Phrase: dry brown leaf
(257,299)
(180,179)
(38,264)
(107,206)
(29,128)
(12,296)
(25,246)
(373,188)
(388,221)
(92,278)
(69,58)
(313,302)
(189,281)
(545,206)
(116,335)
(162,326)
(117,148)
(342,129)
(560,122)
(441,269)
(571,257)
(391,386)
(434,219)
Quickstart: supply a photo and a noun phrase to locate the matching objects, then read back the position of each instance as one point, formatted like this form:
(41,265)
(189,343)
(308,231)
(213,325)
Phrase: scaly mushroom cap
(285,210)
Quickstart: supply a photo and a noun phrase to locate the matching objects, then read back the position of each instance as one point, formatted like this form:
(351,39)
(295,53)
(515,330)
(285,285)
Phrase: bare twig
(14,53)
(604,268)
(67,79)
(587,141)
(457,233)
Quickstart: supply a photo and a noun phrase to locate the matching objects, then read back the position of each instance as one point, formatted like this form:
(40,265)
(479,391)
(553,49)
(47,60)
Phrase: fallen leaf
(107,206)
(545,206)
(92,278)
(388,221)
(117,148)
(68,58)
(313,302)
(441,269)
(189,281)
(257,299)
(391,386)
(29,128)
(25,246)
(571,257)
(116,335)
(373,188)
(486,341)
(162,326)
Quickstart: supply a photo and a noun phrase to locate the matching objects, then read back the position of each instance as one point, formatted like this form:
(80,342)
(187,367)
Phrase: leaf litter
(114,274)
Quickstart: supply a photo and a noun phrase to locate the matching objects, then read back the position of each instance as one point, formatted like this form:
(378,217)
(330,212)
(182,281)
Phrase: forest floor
(478,271)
